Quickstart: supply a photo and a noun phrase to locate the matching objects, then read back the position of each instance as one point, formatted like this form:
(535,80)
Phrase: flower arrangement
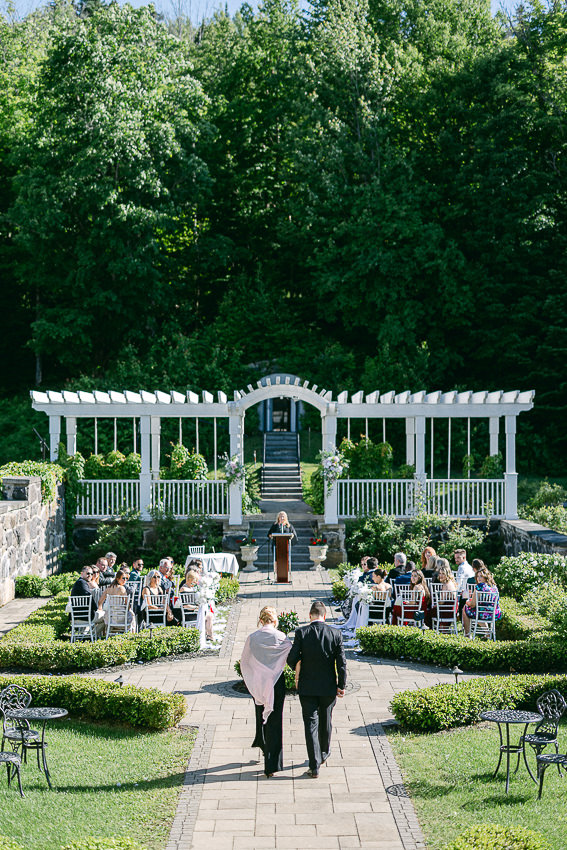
(333,464)
(247,541)
(288,621)
(207,588)
(318,541)
(364,593)
(234,470)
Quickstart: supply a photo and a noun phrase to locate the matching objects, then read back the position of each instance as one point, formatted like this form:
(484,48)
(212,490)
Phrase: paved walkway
(17,610)
(227,803)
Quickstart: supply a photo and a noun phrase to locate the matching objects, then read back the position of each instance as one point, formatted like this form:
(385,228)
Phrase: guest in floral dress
(484,584)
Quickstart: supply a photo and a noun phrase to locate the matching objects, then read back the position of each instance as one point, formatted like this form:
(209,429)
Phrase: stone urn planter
(249,555)
(317,554)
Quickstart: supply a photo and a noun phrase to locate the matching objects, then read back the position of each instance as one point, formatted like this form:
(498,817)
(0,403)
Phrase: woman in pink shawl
(263,660)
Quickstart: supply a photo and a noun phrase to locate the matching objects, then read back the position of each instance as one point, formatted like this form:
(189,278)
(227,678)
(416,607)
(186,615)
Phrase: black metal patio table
(507,718)
(43,716)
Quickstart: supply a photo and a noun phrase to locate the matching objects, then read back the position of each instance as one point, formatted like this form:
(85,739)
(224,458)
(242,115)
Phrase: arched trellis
(415,408)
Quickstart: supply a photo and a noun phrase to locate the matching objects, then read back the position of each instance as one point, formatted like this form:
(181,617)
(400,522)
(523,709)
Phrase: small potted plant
(288,621)
(249,552)
(318,550)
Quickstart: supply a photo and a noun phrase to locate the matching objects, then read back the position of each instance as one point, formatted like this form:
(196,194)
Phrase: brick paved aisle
(228,804)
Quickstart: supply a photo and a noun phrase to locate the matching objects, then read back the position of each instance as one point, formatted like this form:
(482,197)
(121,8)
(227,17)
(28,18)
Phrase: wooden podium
(282,557)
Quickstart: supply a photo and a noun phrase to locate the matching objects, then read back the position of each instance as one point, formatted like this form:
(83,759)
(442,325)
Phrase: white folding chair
(82,618)
(135,588)
(435,587)
(118,614)
(157,614)
(410,603)
(188,618)
(444,611)
(484,620)
(378,608)
(97,593)
(196,550)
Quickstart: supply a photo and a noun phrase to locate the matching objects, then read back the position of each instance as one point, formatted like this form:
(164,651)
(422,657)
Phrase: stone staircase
(281,480)
(299,549)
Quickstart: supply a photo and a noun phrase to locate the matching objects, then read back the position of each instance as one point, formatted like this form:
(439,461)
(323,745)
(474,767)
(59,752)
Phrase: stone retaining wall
(519,535)
(32,534)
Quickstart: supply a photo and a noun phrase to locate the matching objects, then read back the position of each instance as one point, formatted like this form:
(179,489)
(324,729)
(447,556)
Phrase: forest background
(368,193)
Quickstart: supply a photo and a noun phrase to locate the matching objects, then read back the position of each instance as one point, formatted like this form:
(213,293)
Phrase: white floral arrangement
(364,594)
(351,579)
(207,587)
(234,470)
(333,464)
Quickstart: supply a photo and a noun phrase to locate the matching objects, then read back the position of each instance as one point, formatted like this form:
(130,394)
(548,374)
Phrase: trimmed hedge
(93,699)
(228,588)
(446,706)
(542,651)
(516,623)
(36,644)
(339,590)
(492,836)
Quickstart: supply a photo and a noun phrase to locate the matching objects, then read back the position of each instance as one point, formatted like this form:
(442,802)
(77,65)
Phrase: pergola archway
(414,408)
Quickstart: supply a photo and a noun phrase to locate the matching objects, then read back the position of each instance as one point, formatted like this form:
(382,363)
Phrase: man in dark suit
(318,654)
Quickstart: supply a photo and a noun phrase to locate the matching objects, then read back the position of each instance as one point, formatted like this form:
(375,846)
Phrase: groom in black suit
(318,654)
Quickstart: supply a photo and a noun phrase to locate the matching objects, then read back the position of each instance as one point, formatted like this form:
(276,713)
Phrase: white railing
(186,497)
(107,497)
(402,497)
(466,497)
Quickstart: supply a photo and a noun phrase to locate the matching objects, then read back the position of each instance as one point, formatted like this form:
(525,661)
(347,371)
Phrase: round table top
(37,713)
(511,716)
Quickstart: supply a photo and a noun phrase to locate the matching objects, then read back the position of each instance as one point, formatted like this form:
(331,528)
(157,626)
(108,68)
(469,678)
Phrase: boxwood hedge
(93,699)
(492,836)
(445,706)
(36,644)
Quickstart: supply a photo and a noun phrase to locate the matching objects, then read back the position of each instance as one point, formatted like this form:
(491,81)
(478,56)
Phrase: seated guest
(189,585)
(484,583)
(398,569)
(416,582)
(196,565)
(153,587)
(370,564)
(136,571)
(165,570)
(464,569)
(106,574)
(117,588)
(111,559)
(441,564)
(379,583)
(444,577)
(84,585)
(427,567)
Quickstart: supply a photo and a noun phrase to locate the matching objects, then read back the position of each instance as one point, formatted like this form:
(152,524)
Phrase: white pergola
(344,499)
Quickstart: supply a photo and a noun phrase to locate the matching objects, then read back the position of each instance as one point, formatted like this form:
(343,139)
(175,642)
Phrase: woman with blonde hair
(282,525)
(262,662)
(152,587)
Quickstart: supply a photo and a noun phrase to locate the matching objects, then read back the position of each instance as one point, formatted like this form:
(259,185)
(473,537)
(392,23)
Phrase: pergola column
(493,430)
(145,474)
(54,436)
(236,434)
(511,476)
(155,431)
(71,430)
(410,441)
(329,441)
(420,447)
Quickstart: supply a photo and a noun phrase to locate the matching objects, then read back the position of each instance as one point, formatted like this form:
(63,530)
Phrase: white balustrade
(186,497)
(104,498)
(403,497)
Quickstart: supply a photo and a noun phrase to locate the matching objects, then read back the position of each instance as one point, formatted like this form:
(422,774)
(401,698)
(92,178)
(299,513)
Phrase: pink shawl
(263,659)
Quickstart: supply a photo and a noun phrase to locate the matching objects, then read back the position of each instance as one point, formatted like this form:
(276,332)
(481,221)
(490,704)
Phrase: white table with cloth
(220,562)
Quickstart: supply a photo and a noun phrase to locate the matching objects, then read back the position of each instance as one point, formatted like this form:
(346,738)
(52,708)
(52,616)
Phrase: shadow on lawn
(173,780)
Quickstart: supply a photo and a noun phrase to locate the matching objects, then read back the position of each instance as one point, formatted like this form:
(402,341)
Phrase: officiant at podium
(282,525)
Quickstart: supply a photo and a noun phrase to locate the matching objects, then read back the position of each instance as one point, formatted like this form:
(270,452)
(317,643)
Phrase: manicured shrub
(445,706)
(28,586)
(228,588)
(93,699)
(523,573)
(33,586)
(491,836)
(115,843)
(340,590)
(541,651)
(516,623)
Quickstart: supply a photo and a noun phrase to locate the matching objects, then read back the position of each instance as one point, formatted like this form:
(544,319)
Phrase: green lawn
(449,778)
(106,781)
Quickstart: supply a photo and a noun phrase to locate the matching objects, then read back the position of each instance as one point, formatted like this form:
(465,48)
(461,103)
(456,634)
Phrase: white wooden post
(155,430)
(235,423)
(420,447)
(493,428)
(71,428)
(410,441)
(511,476)
(329,440)
(145,474)
(54,437)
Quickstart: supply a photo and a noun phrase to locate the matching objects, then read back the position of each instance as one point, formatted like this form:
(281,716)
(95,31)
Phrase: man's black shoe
(314,774)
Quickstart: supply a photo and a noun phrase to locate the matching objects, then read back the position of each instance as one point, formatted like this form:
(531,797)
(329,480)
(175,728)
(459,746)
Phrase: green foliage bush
(540,651)
(33,586)
(367,459)
(114,843)
(28,586)
(460,536)
(546,600)
(492,466)
(185,465)
(491,836)
(51,474)
(252,491)
(519,575)
(228,589)
(124,536)
(446,706)
(93,699)
(516,622)
(114,464)
(548,495)
(314,494)
(554,517)
(339,590)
